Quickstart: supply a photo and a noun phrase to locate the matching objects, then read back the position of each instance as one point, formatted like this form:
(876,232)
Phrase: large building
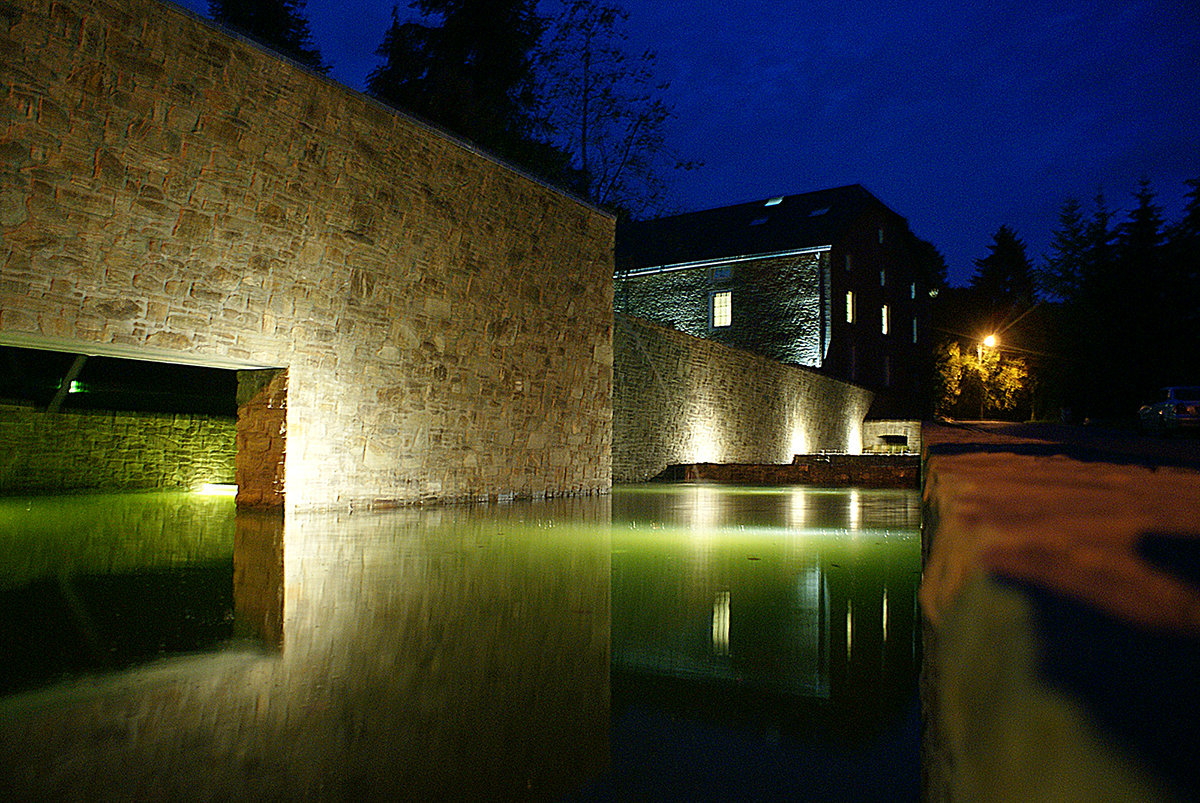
(823,279)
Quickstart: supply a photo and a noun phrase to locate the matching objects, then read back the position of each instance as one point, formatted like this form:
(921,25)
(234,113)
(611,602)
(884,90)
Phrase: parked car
(1177,409)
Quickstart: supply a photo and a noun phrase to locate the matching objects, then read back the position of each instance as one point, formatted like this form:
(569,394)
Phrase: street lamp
(991,341)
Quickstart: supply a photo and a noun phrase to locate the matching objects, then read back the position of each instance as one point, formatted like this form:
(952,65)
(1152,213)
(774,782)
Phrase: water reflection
(448,654)
(453,653)
(797,606)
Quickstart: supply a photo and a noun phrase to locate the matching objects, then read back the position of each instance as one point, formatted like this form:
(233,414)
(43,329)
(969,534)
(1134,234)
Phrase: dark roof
(760,227)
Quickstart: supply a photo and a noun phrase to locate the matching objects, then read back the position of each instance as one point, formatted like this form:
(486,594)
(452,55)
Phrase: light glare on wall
(799,443)
(217,489)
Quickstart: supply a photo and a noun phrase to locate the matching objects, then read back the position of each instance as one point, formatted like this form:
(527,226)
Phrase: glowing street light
(991,341)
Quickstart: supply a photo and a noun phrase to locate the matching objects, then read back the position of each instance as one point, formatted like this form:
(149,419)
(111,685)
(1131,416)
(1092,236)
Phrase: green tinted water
(445,650)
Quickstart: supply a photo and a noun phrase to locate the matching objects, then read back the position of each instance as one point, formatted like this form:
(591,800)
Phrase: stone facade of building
(683,400)
(168,190)
(825,279)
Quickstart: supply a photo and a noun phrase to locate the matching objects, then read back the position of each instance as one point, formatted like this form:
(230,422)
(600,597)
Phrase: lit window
(774,202)
(914,330)
(849,306)
(886,320)
(722,308)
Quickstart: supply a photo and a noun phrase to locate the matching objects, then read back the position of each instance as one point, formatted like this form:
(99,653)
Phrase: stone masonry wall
(445,321)
(683,400)
(50,452)
(261,438)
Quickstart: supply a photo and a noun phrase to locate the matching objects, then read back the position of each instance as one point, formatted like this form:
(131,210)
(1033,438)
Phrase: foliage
(605,108)
(1131,295)
(978,382)
(1005,275)
(929,264)
(278,24)
(558,95)
(466,65)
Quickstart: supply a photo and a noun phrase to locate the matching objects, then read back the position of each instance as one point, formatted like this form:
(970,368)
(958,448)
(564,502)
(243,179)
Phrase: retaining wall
(1062,617)
(52,452)
(682,400)
(169,191)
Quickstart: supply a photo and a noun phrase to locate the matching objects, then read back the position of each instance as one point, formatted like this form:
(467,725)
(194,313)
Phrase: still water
(686,642)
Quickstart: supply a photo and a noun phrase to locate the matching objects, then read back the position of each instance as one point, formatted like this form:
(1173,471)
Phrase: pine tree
(1005,276)
(1066,265)
(466,65)
(278,24)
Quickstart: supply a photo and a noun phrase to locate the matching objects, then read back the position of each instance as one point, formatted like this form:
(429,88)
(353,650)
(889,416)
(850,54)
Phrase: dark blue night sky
(960,116)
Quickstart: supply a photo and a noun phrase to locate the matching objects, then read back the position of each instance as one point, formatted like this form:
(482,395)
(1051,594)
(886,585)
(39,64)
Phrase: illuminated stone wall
(168,189)
(42,452)
(776,305)
(680,399)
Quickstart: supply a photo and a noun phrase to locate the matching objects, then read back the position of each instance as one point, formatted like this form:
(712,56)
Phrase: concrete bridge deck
(1062,598)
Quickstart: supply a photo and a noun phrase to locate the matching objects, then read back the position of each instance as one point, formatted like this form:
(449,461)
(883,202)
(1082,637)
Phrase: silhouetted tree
(605,107)
(278,24)
(1005,276)
(1062,274)
(468,66)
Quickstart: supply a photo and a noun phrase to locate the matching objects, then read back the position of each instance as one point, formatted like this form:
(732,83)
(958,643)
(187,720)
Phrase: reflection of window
(721,274)
(883,277)
(887,371)
(848,263)
(849,306)
(722,308)
(886,320)
(720,624)
(914,330)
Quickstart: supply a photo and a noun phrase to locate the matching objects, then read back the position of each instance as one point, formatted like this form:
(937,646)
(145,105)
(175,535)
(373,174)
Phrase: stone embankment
(1061,593)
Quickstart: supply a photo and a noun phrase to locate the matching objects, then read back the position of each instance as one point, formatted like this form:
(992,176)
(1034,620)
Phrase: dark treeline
(1130,297)
(1110,315)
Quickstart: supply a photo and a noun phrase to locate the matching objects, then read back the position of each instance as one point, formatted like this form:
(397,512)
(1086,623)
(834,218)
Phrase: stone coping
(1061,595)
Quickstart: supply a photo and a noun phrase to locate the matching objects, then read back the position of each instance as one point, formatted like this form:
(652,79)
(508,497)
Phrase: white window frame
(720,309)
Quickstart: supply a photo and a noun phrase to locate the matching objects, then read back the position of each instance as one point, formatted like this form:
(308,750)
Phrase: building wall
(50,452)
(680,399)
(776,304)
(880,270)
(169,189)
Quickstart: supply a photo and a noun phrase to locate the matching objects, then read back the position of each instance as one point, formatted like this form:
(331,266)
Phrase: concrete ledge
(1062,600)
(869,471)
